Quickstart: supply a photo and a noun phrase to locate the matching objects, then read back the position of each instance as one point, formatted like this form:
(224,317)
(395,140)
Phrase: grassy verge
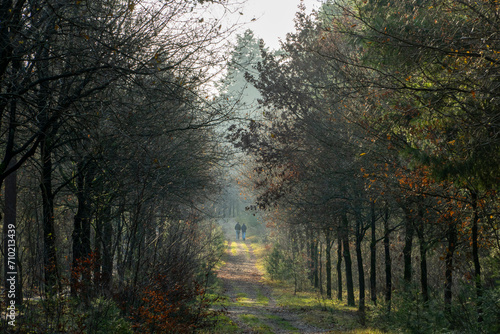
(224,325)
(283,324)
(260,251)
(262,299)
(310,306)
(255,323)
(314,310)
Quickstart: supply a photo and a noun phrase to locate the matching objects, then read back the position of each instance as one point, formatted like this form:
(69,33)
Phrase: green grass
(319,312)
(282,323)
(224,325)
(219,300)
(259,250)
(360,331)
(242,299)
(256,324)
(215,292)
(241,295)
(310,306)
(261,299)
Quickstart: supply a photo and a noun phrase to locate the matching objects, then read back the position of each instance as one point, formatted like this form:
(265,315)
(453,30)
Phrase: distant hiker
(237,227)
(243,231)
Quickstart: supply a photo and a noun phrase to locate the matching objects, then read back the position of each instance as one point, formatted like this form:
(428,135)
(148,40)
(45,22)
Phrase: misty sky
(274,18)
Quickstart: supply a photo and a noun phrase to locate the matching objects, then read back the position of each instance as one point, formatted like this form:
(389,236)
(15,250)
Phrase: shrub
(409,314)
(284,266)
(104,316)
(163,309)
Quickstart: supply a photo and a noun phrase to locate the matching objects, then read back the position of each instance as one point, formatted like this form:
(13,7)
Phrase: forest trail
(251,303)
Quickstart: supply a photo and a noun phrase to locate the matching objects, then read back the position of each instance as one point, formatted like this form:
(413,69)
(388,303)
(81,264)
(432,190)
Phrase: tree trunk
(107,253)
(315,262)
(81,230)
(49,254)
(348,262)
(329,244)
(320,268)
(310,255)
(452,239)
(296,250)
(12,269)
(373,256)
(139,258)
(361,277)
(475,256)
(51,270)
(12,266)
(423,255)
(339,266)
(97,252)
(388,263)
(360,233)
(409,231)
(120,239)
(423,264)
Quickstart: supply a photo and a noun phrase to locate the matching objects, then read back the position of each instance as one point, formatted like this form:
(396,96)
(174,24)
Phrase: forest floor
(254,305)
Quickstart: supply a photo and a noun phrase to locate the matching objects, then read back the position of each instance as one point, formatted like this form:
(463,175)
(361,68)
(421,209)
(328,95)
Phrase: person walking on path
(243,231)
(237,227)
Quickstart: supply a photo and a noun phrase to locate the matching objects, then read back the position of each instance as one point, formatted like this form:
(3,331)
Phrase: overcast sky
(274,17)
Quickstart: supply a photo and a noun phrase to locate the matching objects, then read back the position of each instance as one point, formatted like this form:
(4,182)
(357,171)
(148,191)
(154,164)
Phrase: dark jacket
(244,228)
(237,227)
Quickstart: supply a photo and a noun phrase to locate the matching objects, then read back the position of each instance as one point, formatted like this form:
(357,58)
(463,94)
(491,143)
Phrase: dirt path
(252,306)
